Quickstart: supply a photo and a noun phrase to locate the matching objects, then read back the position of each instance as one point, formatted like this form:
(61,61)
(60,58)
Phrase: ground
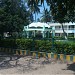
(28,65)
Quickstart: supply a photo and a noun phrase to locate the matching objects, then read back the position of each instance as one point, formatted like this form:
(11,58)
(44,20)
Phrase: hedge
(60,47)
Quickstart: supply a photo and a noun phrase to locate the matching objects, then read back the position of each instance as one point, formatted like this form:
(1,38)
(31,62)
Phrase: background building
(69,28)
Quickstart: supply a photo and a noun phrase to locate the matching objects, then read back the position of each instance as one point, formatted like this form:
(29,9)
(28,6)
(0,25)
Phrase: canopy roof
(38,24)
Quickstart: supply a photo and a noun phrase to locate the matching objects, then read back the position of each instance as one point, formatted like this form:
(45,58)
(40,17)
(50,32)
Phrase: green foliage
(8,43)
(43,45)
(65,47)
(24,44)
(13,16)
(62,10)
(62,38)
(33,7)
(60,47)
(59,38)
(46,16)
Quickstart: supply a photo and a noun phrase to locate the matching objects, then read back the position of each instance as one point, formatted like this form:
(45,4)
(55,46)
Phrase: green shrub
(60,47)
(23,43)
(65,47)
(59,38)
(9,43)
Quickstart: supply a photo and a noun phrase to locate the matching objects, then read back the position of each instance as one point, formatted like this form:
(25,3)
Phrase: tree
(13,16)
(46,17)
(38,20)
(63,11)
(33,6)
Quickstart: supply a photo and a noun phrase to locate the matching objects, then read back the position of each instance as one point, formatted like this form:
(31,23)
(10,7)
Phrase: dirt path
(30,66)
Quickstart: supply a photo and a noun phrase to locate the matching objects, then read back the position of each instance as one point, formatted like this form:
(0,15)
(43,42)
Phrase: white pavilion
(38,26)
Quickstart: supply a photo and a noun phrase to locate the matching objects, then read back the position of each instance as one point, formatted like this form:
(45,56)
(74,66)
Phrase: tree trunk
(65,34)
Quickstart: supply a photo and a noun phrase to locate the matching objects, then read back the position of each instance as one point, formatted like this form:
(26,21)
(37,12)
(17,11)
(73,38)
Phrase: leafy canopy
(13,16)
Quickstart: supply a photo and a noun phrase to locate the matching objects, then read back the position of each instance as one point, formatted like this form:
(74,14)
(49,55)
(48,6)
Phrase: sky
(41,10)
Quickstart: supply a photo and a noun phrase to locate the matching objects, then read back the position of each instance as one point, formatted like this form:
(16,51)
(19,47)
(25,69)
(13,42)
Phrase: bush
(62,47)
(65,47)
(8,43)
(23,44)
(59,38)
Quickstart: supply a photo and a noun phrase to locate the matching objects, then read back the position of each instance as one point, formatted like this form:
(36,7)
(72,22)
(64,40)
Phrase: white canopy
(38,24)
(44,27)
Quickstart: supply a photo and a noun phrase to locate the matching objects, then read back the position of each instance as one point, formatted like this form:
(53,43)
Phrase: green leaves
(13,16)
(39,45)
(46,16)
(62,10)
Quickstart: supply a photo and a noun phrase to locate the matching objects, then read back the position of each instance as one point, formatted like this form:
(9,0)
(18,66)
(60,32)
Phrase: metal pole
(52,41)
(33,45)
(53,34)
